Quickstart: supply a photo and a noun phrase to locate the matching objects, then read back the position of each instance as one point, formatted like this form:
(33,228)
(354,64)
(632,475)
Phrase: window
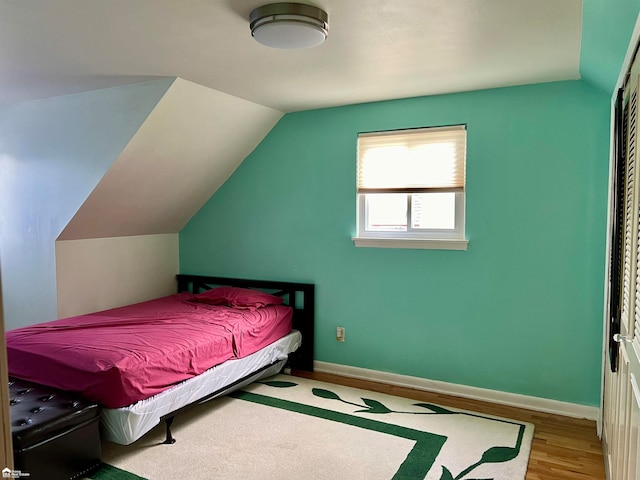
(411,188)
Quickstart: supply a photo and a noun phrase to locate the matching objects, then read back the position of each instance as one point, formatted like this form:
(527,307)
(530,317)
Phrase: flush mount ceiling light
(289,25)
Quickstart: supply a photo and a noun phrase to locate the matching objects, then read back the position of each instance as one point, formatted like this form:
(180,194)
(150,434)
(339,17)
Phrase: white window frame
(446,239)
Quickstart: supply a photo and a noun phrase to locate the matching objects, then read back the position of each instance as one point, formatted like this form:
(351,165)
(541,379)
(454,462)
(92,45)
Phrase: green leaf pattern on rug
(374,407)
(322,393)
(446,474)
(495,454)
(499,454)
(370,406)
(279,384)
(435,408)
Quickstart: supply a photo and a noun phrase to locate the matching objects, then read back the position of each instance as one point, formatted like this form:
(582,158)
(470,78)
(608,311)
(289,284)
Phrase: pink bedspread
(119,356)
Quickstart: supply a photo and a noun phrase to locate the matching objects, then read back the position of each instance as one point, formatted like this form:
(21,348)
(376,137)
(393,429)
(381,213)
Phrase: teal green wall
(606,33)
(53,152)
(520,311)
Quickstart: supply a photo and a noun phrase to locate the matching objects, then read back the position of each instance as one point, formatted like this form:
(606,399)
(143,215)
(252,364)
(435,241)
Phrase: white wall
(190,143)
(102,273)
(53,152)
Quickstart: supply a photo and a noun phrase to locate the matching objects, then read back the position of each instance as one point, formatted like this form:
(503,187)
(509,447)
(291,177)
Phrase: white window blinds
(412,161)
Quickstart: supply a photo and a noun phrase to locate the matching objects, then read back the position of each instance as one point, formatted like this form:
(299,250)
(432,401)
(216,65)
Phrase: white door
(621,425)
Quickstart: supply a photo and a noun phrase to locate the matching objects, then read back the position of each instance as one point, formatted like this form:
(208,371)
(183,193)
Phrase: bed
(147,362)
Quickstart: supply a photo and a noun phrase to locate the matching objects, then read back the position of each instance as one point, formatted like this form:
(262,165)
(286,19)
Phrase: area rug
(292,428)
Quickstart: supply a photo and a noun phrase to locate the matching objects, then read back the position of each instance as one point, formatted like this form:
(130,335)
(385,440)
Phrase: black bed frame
(300,296)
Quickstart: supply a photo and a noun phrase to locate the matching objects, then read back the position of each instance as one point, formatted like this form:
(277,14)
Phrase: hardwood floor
(563,448)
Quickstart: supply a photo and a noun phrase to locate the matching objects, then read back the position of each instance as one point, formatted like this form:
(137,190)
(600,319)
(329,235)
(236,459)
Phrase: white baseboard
(503,398)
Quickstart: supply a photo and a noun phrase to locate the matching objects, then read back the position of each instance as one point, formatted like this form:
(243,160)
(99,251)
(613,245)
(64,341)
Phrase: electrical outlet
(340,332)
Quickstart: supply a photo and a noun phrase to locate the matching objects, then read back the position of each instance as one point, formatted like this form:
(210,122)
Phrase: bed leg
(169,440)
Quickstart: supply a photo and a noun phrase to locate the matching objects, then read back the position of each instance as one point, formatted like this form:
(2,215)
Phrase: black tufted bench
(55,434)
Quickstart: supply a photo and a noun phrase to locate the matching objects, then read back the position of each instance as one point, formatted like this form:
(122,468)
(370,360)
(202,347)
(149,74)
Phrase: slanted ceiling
(377,49)
(187,147)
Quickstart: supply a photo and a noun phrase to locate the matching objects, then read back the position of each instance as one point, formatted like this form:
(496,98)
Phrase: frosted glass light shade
(289,25)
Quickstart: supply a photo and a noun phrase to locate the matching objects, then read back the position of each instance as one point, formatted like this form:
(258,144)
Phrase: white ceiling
(376,50)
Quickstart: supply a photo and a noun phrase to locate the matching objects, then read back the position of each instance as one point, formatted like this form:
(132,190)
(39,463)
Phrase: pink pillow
(237,298)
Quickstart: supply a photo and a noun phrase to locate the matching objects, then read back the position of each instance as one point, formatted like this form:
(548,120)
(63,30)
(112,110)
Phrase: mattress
(121,356)
(127,424)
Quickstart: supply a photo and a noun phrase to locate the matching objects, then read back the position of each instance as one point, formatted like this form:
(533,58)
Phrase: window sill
(431,244)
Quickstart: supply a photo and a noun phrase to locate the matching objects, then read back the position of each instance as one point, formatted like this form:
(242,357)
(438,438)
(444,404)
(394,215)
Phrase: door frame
(632,50)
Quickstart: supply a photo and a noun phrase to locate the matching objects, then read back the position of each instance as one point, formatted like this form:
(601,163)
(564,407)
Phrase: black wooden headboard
(300,296)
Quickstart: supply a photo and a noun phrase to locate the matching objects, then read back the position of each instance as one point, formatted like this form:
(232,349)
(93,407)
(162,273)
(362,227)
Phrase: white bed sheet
(127,424)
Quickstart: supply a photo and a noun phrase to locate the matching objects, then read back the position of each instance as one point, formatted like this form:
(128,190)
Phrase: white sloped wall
(53,152)
(187,147)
